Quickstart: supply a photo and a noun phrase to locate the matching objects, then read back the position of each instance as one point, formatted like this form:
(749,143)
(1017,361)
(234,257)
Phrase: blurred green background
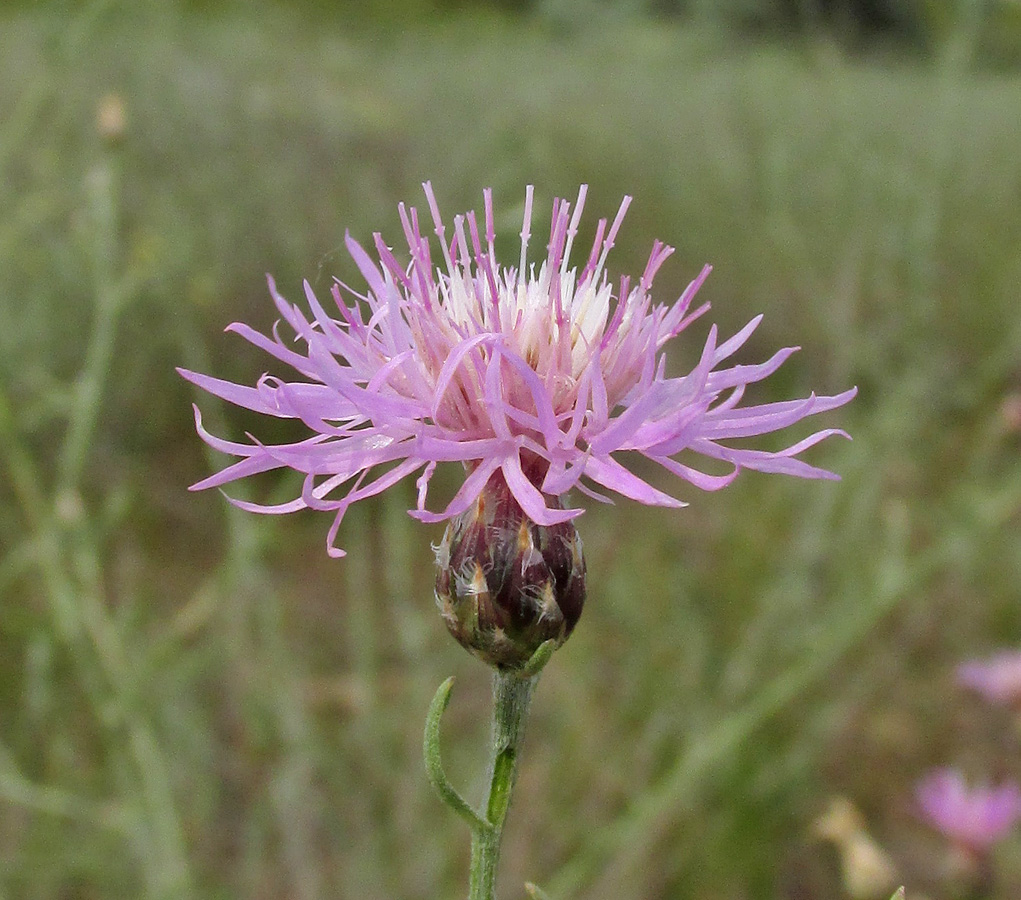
(199,703)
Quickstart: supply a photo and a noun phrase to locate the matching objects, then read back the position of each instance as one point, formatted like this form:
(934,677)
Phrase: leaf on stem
(539,659)
(434,762)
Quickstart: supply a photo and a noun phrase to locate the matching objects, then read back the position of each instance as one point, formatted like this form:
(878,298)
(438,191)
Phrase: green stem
(512,695)
(88,391)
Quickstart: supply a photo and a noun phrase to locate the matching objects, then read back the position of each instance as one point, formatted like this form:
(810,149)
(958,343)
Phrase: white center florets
(526,316)
(556,320)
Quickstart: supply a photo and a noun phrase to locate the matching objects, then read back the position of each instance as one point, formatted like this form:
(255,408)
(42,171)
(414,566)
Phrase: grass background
(198,703)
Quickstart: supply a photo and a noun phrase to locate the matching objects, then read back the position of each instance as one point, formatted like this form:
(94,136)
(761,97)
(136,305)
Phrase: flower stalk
(512,697)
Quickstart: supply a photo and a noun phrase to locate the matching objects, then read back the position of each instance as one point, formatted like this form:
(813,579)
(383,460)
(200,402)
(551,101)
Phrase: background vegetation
(198,703)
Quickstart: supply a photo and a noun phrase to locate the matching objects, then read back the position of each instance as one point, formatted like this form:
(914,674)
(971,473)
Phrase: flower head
(997,678)
(974,819)
(543,376)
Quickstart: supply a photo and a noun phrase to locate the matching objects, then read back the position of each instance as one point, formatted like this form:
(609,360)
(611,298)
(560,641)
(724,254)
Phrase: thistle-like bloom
(997,678)
(543,377)
(974,819)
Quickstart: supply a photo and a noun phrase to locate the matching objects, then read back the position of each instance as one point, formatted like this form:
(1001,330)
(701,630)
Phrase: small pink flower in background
(539,377)
(973,818)
(997,678)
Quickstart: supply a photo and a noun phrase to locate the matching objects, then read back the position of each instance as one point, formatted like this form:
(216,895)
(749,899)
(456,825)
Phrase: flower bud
(505,585)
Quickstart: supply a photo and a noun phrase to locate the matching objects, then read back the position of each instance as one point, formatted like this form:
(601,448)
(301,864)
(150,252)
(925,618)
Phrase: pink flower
(974,819)
(543,375)
(997,678)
